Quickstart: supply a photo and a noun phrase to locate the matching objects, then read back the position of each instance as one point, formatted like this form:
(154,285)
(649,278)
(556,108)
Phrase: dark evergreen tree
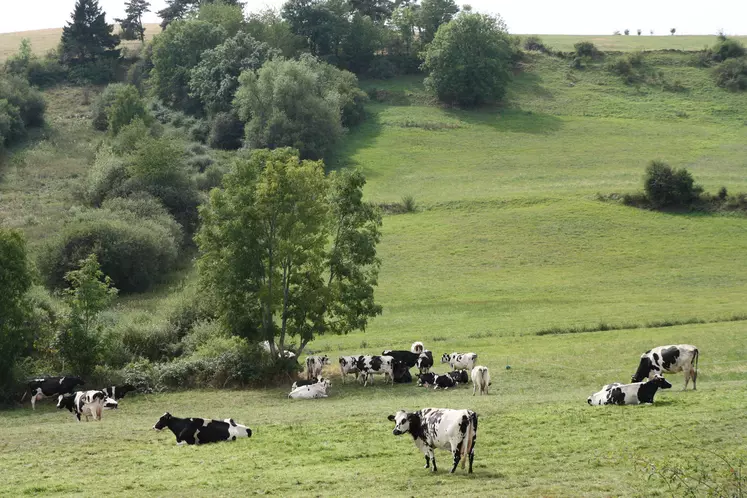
(132,23)
(178,9)
(377,10)
(88,37)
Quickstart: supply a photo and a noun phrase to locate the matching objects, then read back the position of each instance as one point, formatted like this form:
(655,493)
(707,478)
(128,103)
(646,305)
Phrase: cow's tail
(468,450)
(24,395)
(695,374)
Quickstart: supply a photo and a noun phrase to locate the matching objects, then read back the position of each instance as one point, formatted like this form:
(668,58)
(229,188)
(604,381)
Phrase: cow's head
(65,401)
(644,369)
(110,404)
(417,347)
(402,421)
(425,379)
(446,358)
(325,360)
(660,382)
(163,421)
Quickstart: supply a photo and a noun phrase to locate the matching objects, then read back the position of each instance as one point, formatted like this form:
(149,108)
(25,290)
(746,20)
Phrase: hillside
(509,239)
(622,43)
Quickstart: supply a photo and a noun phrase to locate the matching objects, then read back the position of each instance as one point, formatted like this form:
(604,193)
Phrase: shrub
(191,308)
(100,109)
(586,49)
(143,206)
(143,337)
(210,178)
(469,60)
(45,72)
(381,68)
(197,149)
(534,43)
(727,48)
(106,176)
(732,74)
(667,187)
(200,163)
(98,72)
(227,132)
(408,204)
(130,136)
(135,253)
(126,107)
(200,131)
(24,106)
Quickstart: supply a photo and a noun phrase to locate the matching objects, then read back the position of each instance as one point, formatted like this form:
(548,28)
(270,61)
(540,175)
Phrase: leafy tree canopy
(132,23)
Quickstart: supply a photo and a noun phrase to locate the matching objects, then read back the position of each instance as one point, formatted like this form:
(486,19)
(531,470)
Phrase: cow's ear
(390,418)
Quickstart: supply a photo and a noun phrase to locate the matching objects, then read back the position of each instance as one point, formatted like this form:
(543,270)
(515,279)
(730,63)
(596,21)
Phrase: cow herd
(430,428)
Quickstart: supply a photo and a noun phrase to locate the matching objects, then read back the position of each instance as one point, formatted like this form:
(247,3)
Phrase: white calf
(313,391)
(481,379)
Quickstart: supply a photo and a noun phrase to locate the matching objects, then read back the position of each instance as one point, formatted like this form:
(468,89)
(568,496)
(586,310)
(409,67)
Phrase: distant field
(624,43)
(44,40)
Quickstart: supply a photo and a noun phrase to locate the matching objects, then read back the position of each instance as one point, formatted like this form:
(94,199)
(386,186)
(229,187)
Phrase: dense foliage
(132,23)
(265,255)
(469,60)
(126,106)
(88,45)
(21,107)
(668,187)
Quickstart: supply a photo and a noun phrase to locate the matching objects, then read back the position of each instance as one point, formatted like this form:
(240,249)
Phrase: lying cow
(401,373)
(670,359)
(460,360)
(417,347)
(407,357)
(118,392)
(85,403)
(481,379)
(348,364)
(301,382)
(314,365)
(453,430)
(313,391)
(202,431)
(424,362)
(427,379)
(370,365)
(49,387)
(629,394)
(459,376)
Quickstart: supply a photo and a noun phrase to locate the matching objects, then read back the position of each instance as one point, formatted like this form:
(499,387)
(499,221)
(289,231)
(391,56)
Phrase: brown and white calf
(430,428)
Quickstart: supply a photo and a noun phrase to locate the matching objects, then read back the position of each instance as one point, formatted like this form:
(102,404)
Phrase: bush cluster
(21,107)
(732,74)
(668,187)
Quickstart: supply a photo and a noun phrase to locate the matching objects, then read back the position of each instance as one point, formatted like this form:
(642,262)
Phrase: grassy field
(633,42)
(509,239)
(43,40)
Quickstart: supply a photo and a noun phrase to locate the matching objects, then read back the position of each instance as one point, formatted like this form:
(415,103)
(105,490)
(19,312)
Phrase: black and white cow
(370,365)
(460,360)
(629,394)
(401,373)
(86,403)
(200,430)
(425,362)
(312,391)
(49,387)
(314,365)
(430,428)
(407,357)
(427,379)
(348,365)
(459,376)
(302,382)
(444,382)
(417,347)
(670,359)
(118,392)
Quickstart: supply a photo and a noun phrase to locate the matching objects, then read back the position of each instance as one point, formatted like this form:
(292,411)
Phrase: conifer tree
(87,37)
(132,23)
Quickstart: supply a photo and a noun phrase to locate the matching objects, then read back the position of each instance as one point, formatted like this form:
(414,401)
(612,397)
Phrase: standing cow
(348,364)
(425,362)
(314,365)
(460,360)
(670,359)
(430,428)
(481,379)
(370,365)
(86,403)
(49,387)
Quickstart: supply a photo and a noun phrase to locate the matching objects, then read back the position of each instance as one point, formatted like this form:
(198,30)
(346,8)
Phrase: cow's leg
(433,458)
(687,378)
(186,436)
(474,387)
(457,456)
(695,378)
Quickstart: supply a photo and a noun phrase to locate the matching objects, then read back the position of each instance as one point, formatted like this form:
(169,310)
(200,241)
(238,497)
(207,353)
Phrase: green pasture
(536,436)
(632,42)
(509,238)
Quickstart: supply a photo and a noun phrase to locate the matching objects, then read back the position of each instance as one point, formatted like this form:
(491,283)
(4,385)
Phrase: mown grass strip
(656,324)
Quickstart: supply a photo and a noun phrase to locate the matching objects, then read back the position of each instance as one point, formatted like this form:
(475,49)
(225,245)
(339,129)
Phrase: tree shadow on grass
(357,138)
(510,120)
(529,83)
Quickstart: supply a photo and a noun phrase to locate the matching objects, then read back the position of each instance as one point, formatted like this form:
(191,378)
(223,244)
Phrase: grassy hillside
(43,40)
(509,239)
(633,42)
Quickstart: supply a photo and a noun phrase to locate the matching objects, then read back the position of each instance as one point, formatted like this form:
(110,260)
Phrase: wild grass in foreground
(536,437)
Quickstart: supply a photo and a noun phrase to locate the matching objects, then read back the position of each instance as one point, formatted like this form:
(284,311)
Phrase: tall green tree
(377,10)
(180,9)
(89,293)
(269,27)
(469,60)
(433,14)
(132,23)
(15,281)
(88,37)
(288,253)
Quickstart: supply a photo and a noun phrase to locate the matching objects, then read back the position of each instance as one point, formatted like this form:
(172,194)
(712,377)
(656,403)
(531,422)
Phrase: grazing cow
(459,376)
(50,386)
(286,353)
(312,391)
(629,394)
(481,378)
(314,365)
(427,379)
(301,382)
(444,382)
(460,360)
(86,403)
(417,347)
(200,430)
(370,365)
(671,359)
(407,357)
(118,392)
(425,362)
(401,373)
(348,364)
(453,430)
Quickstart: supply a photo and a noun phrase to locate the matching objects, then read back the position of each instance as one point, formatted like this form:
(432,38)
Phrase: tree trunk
(286,286)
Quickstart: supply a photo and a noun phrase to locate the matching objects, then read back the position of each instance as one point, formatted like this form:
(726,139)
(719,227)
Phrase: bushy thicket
(732,74)
(586,49)
(39,71)
(668,187)
(100,108)
(226,132)
(126,106)
(727,48)
(21,107)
